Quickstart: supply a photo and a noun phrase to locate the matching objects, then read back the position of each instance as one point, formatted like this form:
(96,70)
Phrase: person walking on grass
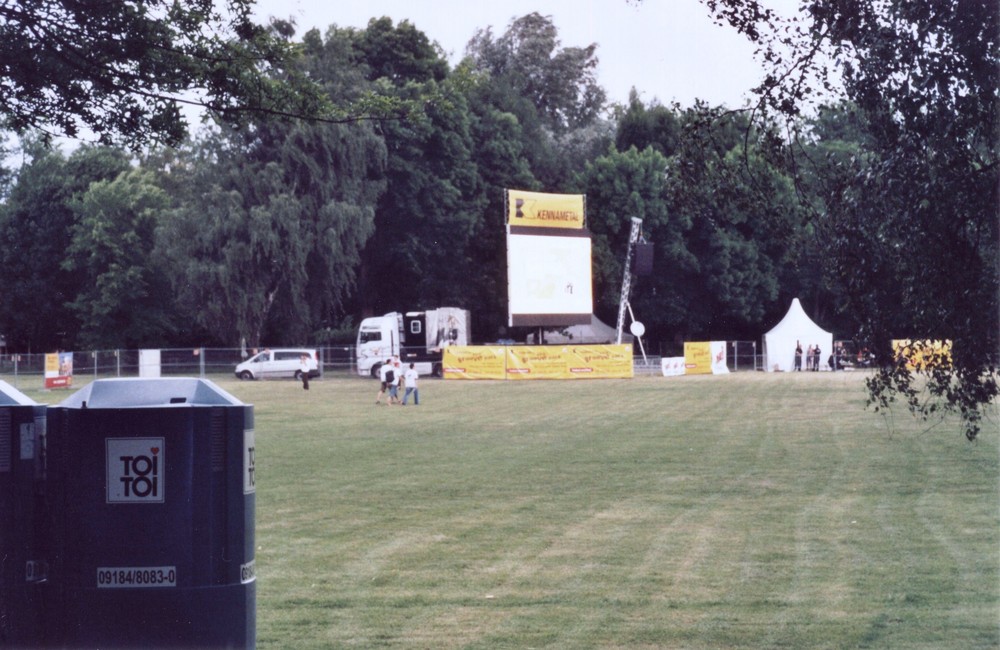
(397,370)
(410,377)
(385,374)
(392,380)
(304,369)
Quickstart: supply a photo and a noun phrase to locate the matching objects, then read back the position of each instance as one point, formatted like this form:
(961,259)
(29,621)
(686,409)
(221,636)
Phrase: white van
(282,362)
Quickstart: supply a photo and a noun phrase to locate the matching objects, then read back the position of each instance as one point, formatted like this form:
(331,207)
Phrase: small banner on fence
(705,358)
(672,366)
(59,370)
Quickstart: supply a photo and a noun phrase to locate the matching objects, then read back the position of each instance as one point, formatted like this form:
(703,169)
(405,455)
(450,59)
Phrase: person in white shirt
(410,377)
(304,369)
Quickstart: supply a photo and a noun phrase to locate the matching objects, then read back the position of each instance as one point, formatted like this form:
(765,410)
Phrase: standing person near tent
(816,357)
(809,358)
(798,356)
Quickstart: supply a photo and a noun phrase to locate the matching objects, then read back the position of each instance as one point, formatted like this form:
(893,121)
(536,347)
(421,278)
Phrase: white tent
(795,327)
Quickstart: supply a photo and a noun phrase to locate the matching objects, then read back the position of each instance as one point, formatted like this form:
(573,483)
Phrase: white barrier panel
(149,363)
(672,366)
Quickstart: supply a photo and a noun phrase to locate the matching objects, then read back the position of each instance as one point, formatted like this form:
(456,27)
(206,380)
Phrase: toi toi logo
(141,474)
(135,470)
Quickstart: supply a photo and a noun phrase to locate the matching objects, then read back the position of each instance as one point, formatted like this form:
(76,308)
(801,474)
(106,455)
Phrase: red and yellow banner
(539,210)
(521,362)
(59,370)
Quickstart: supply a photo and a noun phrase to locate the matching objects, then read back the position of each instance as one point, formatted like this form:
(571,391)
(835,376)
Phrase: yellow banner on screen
(540,210)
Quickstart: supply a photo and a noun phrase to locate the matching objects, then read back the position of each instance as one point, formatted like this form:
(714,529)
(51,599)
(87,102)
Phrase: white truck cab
(416,337)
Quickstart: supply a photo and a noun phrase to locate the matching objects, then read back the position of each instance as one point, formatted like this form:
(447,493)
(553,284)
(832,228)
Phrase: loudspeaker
(643,260)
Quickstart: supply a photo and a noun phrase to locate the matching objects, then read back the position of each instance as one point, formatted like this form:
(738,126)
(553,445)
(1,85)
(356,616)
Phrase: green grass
(743,511)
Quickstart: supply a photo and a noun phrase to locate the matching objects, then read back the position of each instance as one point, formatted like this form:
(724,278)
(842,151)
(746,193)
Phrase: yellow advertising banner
(474,362)
(539,210)
(603,361)
(521,362)
(536,362)
(924,354)
(697,358)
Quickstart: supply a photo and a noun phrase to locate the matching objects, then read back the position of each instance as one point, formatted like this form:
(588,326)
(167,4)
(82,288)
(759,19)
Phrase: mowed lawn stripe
(751,510)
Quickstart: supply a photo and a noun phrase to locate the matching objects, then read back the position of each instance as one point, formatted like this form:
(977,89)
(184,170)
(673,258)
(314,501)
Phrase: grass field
(745,511)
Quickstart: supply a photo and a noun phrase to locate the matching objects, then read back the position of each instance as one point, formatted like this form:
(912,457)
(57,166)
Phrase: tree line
(876,206)
(278,231)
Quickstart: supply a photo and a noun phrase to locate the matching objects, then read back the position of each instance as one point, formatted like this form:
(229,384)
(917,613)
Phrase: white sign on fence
(149,363)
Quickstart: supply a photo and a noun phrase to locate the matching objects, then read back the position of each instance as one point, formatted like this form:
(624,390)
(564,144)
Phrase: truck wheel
(298,375)
(436,370)
(246,375)
(374,371)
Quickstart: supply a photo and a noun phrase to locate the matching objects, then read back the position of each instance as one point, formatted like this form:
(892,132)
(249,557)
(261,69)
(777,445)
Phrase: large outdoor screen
(549,278)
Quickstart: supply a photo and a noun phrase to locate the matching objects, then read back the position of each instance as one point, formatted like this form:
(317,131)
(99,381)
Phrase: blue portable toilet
(23,565)
(154,524)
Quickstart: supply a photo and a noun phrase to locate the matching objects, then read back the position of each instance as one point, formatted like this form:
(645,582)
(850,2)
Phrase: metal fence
(742,356)
(337,361)
(188,362)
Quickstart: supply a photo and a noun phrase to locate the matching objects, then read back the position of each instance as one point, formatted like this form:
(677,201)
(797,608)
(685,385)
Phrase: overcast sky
(667,49)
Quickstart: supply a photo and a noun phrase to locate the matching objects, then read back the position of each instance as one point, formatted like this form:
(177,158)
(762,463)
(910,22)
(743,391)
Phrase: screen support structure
(627,282)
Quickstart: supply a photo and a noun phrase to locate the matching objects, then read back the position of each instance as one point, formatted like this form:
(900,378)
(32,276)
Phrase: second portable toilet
(23,559)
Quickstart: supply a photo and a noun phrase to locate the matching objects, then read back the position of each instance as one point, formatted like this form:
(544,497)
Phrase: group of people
(393,377)
(812,357)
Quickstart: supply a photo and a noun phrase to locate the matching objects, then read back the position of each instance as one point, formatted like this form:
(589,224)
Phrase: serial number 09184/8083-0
(132,577)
